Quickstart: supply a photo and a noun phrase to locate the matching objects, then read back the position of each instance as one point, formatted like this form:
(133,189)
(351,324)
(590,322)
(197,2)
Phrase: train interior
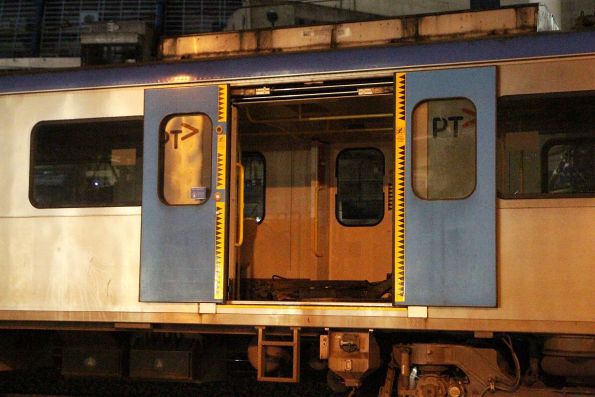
(317,220)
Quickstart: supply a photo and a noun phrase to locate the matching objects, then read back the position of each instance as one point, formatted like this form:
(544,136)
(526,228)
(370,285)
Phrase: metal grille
(17,28)
(64,20)
(197,16)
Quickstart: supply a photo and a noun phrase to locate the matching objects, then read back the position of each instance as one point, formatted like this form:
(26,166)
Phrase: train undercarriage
(404,364)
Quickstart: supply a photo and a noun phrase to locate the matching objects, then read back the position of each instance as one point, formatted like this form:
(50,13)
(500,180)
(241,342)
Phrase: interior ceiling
(373,114)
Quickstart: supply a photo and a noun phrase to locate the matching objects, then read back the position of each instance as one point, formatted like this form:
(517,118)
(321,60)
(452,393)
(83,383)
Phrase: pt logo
(176,134)
(452,124)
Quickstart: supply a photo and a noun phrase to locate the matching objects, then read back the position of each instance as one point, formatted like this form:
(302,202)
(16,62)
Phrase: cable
(511,388)
(493,386)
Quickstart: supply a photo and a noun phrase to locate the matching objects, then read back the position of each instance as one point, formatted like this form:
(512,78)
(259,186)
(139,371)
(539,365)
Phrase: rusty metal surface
(435,27)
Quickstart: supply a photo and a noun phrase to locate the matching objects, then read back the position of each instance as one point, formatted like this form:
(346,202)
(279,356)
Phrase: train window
(546,145)
(185,152)
(444,149)
(569,166)
(360,180)
(254,185)
(86,163)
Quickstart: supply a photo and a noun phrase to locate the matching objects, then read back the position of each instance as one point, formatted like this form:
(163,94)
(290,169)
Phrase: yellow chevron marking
(221,161)
(400,140)
(222,104)
(219,250)
(220,233)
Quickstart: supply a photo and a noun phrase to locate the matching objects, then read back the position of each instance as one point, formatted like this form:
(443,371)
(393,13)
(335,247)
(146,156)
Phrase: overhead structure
(529,18)
(52,28)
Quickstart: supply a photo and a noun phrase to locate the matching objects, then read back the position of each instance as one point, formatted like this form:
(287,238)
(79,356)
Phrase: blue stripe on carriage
(397,56)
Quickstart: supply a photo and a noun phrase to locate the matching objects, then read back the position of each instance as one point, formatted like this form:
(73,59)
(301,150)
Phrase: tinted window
(86,163)
(444,149)
(254,186)
(186,159)
(360,180)
(546,145)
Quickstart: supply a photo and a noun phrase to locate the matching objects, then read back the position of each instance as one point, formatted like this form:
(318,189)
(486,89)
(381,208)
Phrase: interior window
(444,149)
(254,185)
(86,163)
(546,145)
(186,159)
(360,179)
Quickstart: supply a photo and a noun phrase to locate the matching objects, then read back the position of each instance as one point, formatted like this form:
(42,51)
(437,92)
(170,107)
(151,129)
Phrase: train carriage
(436,189)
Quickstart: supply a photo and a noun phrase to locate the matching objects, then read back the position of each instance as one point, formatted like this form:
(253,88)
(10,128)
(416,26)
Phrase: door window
(186,159)
(254,185)
(444,149)
(360,180)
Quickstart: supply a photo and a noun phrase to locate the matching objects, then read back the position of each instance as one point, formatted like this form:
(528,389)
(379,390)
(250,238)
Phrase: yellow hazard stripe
(220,218)
(221,162)
(221,186)
(222,104)
(220,233)
(219,250)
(400,140)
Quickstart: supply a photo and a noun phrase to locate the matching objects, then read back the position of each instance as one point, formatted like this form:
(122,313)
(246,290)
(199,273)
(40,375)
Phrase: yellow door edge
(399,183)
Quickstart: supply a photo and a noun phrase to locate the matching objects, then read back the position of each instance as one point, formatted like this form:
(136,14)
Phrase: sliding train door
(445,215)
(185,196)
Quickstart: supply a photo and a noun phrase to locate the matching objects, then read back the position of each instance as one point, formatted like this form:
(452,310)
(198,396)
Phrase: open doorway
(318,222)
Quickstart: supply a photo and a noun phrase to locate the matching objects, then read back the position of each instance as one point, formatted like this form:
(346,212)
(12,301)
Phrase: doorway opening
(317,200)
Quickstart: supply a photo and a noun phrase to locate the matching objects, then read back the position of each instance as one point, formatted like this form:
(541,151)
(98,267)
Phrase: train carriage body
(430,187)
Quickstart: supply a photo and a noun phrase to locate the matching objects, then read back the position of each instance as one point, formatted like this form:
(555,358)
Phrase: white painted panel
(65,259)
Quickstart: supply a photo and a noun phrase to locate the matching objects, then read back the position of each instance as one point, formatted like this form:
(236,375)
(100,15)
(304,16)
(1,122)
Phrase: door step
(262,349)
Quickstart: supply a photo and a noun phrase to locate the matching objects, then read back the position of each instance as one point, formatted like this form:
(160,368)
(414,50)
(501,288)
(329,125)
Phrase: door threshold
(309,303)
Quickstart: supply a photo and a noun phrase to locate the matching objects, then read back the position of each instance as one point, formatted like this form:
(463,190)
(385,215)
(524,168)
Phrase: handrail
(317,190)
(240,240)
